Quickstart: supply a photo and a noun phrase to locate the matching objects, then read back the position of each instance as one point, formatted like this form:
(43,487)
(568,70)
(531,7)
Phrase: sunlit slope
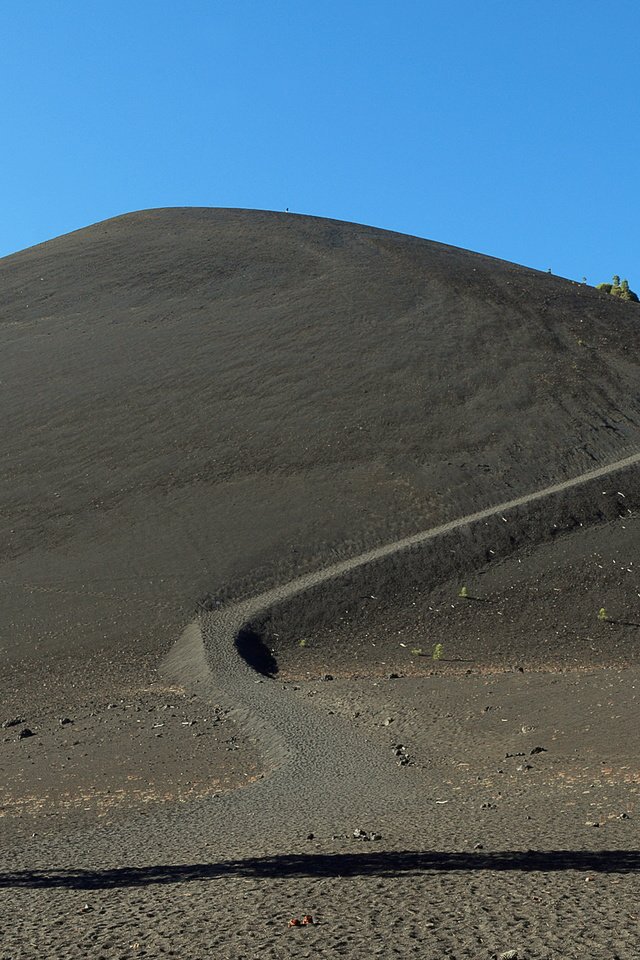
(201,400)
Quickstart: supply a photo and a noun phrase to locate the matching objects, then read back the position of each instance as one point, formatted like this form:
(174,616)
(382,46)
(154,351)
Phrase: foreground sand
(487,843)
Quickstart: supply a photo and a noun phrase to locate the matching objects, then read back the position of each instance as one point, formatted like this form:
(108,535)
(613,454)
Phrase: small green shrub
(624,293)
(619,289)
(437,652)
(602,614)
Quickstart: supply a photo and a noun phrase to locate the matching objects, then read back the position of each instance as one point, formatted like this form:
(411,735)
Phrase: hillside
(202,401)
(314,434)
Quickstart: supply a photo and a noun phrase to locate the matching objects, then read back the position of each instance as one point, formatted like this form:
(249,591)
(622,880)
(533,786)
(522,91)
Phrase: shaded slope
(338,597)
(214,400)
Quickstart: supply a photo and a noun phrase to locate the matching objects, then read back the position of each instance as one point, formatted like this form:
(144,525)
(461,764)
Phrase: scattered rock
(13,722)
(394,676)
(327,676)
(64,721)
(400,751)
(311,836)
(537,750)
(307,921)
(478,846)
(508,955)
(359,834)
(25,732)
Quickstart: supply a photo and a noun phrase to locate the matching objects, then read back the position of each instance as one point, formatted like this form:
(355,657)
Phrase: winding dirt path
(316,759)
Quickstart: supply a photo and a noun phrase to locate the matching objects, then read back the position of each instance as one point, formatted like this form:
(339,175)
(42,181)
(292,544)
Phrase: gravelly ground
(486,843)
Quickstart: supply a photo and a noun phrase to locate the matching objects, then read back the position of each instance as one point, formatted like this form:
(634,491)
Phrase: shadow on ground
(252,648)
(331,865)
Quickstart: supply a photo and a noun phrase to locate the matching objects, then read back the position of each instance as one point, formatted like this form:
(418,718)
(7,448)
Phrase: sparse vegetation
(437,652)
(416,652)
(463,592)
(618,289)
(602,614)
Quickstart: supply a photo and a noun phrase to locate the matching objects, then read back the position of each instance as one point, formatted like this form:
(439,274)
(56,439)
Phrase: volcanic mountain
(202,403)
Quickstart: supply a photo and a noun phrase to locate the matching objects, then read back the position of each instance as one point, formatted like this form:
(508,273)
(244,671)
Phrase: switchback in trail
(317,758)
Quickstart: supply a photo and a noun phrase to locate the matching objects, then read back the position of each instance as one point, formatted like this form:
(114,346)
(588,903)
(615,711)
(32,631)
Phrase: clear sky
(510,127)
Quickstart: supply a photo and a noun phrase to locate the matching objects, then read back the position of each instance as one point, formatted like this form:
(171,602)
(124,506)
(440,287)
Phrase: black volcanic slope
(210,401)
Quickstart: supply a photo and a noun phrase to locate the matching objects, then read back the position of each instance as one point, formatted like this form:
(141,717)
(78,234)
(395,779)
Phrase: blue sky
(506,127)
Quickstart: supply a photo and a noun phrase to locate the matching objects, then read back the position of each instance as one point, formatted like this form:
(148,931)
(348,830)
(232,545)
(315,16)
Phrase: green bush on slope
(618,289)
